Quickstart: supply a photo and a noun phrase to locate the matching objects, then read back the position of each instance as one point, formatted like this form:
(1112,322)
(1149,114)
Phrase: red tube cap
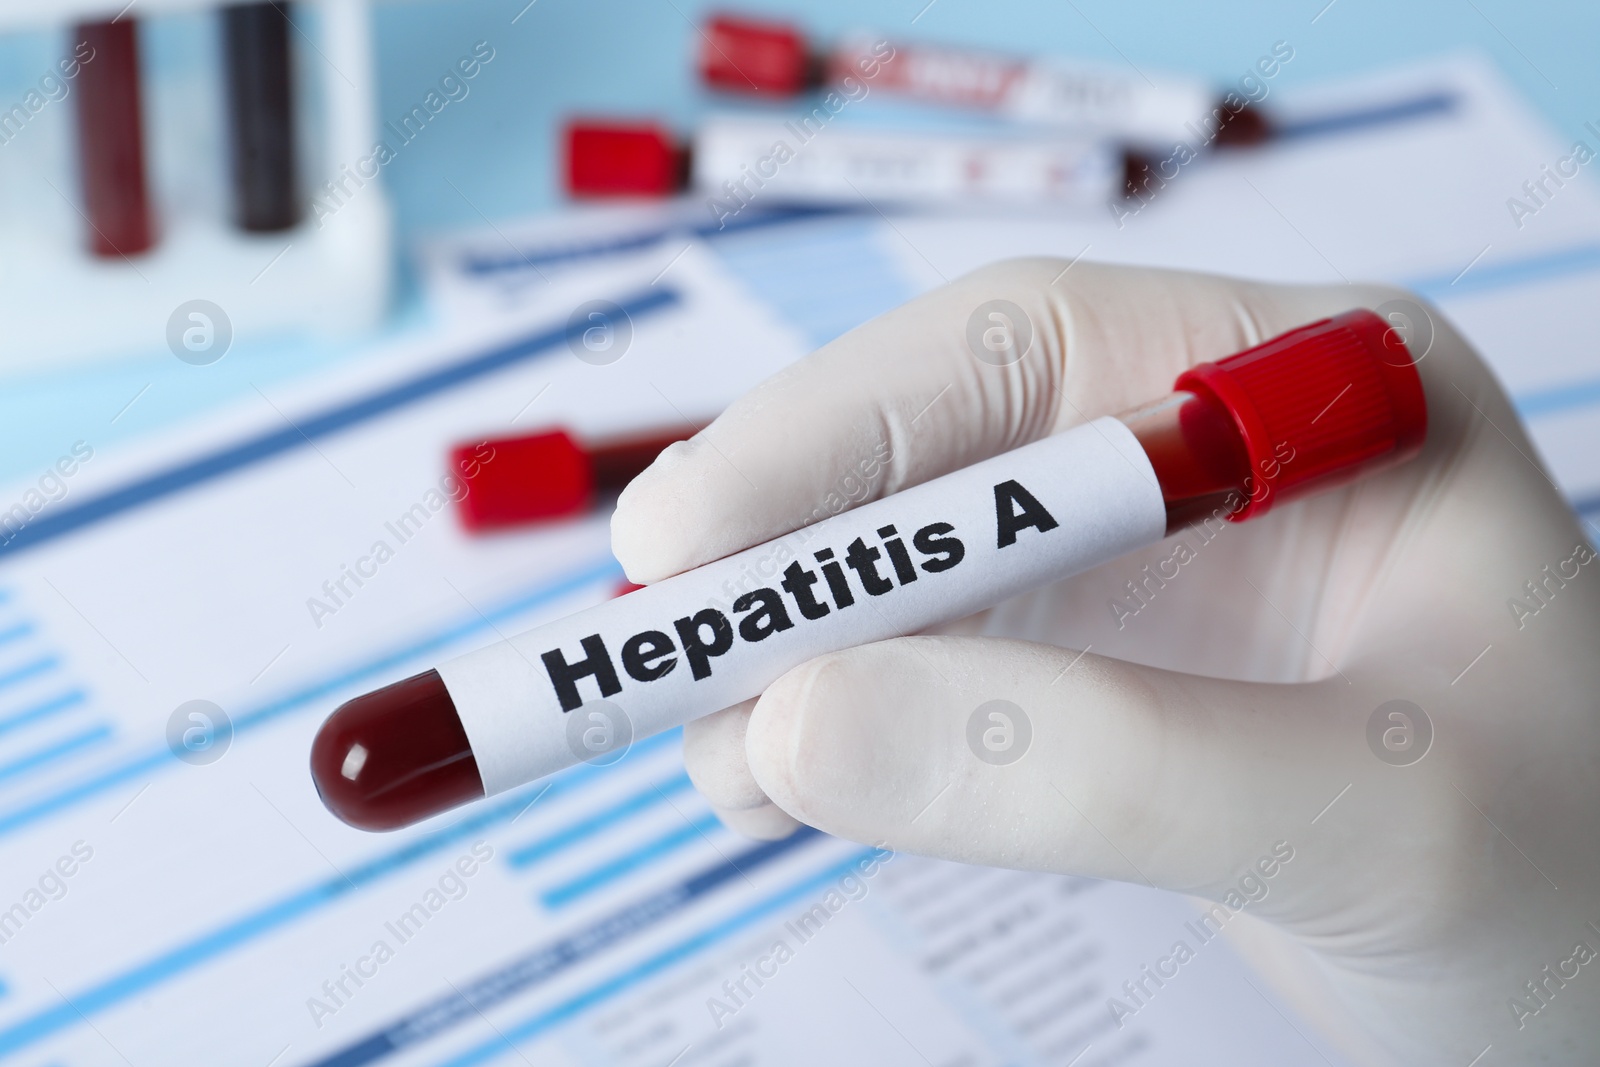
(1318,405)
(530,479)
(622,159)
(512,481)
(745,56)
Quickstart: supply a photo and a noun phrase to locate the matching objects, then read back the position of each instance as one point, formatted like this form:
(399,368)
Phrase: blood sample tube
(513,481)
(1313,408)
(773,59)
(111,139)
(261,113)
(735,160)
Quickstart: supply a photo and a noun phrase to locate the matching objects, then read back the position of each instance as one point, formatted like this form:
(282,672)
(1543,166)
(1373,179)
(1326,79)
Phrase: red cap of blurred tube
(549,475)
(742,55)
(1319,405)
(526,479)
(622,159)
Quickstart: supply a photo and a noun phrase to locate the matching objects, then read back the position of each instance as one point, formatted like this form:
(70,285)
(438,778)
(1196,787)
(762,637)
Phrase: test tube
(261,114)
(111,139)
(1300,413)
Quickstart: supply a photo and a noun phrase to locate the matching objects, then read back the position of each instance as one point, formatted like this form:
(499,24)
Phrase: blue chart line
(644,799)
(578,251)
(1363,118)
(1561,398)
(342,417)
(1578,259)
(560,1013)
(42,710)
(626,864)
(28,670)
(545,963)
(161,758)
(22,629)
(1539,267)
(52,752)
(140,978)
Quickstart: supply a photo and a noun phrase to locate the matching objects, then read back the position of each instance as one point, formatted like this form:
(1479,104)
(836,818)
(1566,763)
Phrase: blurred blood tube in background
(740,160)
(514,481)
(261,105)
(756,57)
(111,138)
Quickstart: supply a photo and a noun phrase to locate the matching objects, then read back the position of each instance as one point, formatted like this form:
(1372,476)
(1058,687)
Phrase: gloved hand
(1236,705)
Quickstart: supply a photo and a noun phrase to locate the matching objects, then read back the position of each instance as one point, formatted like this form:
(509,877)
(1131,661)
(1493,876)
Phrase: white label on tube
(739,160)
(723,632)
(1091,97)
(1108,100)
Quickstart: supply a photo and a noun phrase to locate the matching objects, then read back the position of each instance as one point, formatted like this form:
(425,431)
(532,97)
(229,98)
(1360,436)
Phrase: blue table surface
(633,57)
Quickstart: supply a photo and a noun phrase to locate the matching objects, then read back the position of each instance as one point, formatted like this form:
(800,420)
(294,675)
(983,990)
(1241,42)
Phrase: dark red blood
(111,139)
(414,759)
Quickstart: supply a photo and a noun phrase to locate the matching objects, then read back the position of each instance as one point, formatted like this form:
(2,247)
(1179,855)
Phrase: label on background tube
(1091,97)
(719,634)
(804,160)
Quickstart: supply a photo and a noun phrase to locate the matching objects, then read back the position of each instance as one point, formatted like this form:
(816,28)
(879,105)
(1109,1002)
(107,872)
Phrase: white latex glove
(1420,899)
